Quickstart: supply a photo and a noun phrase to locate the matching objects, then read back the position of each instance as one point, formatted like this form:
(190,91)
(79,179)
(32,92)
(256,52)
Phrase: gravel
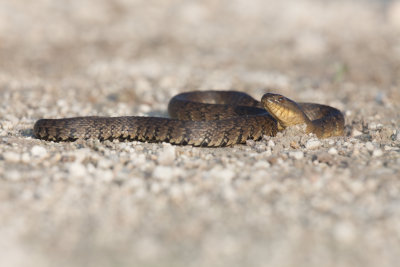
(313,144)
(289,200)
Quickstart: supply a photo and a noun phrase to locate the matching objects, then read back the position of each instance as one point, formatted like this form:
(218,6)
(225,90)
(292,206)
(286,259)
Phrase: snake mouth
(273,102)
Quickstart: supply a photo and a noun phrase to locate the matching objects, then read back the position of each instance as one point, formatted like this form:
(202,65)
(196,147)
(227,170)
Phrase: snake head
(286,111)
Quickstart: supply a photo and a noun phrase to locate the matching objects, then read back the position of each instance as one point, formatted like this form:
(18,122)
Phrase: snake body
(202,118)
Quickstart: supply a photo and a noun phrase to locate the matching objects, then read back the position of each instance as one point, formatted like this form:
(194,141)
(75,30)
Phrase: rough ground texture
(291,200)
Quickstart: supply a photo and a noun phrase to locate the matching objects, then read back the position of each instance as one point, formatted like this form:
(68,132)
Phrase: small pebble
(261,165)
(333,151)
(77,169)
(347,144)
(38,151)
(11,156)
(313,144)
(104,163)
(372,126)
(271,143)
(163,173)
(377,153)
(250,142)
(369,146)
(224,174)
(6,125)
(267,152)
(356,132)
(325,158)
(25,157)
(107,175)
(260,147)
(296,154)
(167,155)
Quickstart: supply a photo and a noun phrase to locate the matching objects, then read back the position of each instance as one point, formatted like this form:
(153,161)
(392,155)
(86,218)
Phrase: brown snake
(202,118)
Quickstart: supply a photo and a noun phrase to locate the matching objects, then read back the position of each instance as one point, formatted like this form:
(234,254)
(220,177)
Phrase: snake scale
(202,118)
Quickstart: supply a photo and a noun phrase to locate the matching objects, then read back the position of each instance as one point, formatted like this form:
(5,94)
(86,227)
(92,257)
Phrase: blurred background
(336,40)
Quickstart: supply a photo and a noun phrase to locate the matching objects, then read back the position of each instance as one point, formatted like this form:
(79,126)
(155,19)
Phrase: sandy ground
(290,200)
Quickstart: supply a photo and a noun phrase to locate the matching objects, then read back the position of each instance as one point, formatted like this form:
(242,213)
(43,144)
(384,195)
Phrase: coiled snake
(202,118)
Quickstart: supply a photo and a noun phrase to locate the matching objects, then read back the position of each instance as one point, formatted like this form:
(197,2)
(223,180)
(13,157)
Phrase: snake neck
(285,111)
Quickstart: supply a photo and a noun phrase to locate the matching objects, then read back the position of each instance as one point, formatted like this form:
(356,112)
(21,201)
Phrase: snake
(202,118)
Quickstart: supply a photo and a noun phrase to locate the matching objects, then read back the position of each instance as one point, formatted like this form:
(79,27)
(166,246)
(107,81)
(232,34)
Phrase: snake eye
(281,99)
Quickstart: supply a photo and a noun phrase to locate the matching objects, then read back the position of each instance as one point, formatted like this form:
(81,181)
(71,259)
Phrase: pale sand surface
(290,200)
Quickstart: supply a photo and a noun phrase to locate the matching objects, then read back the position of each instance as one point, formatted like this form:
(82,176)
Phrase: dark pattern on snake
(202,118)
